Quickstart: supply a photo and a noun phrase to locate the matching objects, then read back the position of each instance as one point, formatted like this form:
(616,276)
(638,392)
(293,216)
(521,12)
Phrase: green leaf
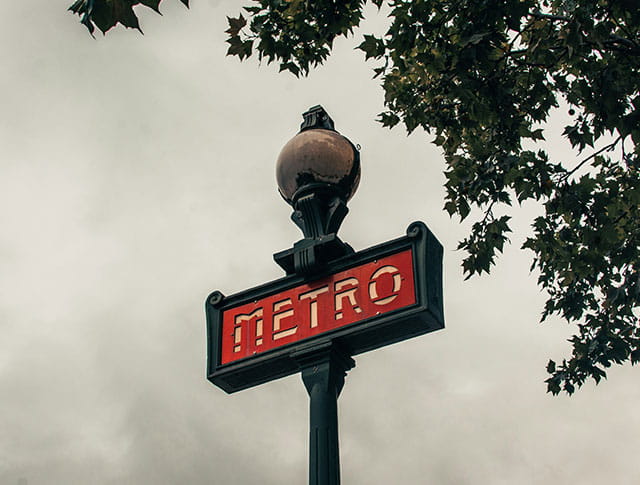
(106,14)
(235,25)
(152,4)
(450,207)
(551,367)
(372,47)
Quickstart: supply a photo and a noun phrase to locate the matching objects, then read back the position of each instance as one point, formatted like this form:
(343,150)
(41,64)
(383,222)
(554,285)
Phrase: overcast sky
(137,175)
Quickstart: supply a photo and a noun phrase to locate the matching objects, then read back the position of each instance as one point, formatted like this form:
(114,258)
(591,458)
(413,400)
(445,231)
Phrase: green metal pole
(323,373)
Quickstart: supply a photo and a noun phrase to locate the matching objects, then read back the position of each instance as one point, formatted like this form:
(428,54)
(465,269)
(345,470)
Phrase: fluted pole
(323,373)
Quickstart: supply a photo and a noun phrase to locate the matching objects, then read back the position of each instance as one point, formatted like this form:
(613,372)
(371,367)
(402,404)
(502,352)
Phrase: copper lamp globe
(317,171)
(318,159)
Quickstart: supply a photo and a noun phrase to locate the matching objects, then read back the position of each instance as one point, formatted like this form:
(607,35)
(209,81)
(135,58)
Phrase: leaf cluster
(297,34)
(587,249)
(483,76)
(106,14)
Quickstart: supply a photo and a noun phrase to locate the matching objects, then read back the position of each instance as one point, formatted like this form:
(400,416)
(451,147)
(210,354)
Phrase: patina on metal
(318,158)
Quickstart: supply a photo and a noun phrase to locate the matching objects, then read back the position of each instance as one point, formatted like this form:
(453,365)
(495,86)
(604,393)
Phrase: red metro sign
(363,301)
(310,309)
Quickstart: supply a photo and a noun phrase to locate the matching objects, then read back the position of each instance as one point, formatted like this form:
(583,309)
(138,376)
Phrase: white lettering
(278,316)
(237,329)
(349,294)
(313,304)
(373,289)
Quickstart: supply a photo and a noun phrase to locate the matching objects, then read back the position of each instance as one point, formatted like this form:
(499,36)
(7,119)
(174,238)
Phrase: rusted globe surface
(318,156)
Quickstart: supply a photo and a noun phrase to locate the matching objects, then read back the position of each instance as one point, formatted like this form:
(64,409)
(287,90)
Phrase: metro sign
(362,301)
(310,309)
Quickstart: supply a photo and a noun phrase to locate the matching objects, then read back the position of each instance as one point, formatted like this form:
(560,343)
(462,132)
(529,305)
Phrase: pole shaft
(324,461)
(323,373)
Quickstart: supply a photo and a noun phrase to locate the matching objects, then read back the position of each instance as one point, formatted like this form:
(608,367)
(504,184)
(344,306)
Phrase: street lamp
(317,171)
(334,303)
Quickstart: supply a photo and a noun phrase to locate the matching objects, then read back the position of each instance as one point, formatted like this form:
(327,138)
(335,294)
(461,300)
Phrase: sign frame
(424,316)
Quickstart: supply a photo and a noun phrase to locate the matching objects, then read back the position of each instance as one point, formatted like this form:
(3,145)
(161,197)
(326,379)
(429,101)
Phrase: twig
(609,147)
(547,16)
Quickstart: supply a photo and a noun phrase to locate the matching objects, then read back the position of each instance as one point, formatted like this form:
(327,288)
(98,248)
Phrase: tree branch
(609,147)
(617,40)
(547,16)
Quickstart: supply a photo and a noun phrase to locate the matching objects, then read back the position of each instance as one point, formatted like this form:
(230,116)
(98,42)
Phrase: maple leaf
(106,14)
